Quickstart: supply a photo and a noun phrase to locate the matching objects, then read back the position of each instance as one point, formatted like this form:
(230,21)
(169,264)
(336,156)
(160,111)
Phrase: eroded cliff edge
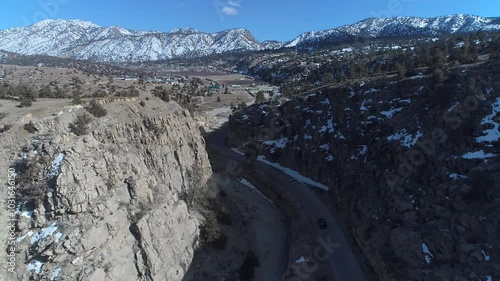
(110,204)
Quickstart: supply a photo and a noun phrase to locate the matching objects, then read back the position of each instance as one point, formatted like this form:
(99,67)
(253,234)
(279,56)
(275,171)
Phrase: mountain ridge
(398,27)
(78,39)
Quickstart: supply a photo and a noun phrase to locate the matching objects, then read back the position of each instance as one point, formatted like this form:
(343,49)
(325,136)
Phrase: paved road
(342,265)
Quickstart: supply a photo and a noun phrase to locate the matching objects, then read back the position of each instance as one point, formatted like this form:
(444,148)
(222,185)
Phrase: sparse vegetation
(131,91)
(30,127)
(80,126)
(77,99)
(210,230)
(5,128)
(247,269)
(33,184)
(259,97)
(161,93)
(237,107)
(26,102)
(96,109)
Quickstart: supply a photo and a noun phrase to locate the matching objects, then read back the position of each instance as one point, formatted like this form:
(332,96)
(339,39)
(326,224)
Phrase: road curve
(342,265)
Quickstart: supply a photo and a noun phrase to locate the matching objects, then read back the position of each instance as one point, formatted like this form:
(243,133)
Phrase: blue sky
(266,19)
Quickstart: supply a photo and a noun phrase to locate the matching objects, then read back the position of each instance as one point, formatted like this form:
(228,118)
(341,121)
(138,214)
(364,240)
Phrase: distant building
(214,88)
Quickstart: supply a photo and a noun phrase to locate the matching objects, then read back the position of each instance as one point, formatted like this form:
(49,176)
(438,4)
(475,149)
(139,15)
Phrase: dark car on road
(322,223)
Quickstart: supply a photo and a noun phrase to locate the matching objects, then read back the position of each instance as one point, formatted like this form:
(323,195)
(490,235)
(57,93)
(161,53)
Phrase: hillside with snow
(78,39)
(84,40)
(396,27)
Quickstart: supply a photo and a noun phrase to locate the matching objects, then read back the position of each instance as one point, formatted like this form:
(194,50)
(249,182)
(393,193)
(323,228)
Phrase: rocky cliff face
(413,163)
(107,205)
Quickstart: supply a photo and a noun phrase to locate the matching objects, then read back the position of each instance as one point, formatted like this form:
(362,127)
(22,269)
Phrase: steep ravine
(107,205)
(412,163)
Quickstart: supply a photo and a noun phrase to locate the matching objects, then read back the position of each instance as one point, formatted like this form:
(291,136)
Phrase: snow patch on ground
(58,236)
(300,260)
(427,253)
(363,106)
(486,256)
(279,143)
(453,106)
(28,234)
(493,134)
(364,150)
(406,139)
(478,155)
(405,101)
(340,136)
(56,165)
(328,127)
(294,174)
(26,214)
(455,176)
(361,151)
(254,189)
(55,274)
(44,233)
(372,90)
(325,147)
(390,113)
(35,266)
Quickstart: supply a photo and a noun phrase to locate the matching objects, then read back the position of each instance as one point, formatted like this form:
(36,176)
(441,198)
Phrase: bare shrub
(26,102)
(30,127)
(5,128)
(96,109)
(80,126)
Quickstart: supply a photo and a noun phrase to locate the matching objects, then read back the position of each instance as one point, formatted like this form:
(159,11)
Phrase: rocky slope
(107,205)
(84,40)
(414,164)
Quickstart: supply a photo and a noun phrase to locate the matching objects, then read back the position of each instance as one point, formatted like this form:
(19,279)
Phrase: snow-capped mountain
(397,27)
(84,40)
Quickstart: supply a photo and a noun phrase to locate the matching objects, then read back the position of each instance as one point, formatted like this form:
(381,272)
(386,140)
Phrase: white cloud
(229,11)
(234,3)
(227,7)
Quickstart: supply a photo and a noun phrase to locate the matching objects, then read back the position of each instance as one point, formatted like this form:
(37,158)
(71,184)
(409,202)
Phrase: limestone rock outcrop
(108,204)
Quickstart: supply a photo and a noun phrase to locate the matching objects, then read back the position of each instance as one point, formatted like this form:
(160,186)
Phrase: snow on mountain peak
(186,30)
(84,40)
(51,22)
(397,27)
